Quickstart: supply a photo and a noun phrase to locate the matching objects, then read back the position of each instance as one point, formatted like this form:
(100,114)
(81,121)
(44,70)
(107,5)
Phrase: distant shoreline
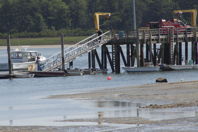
(35,46)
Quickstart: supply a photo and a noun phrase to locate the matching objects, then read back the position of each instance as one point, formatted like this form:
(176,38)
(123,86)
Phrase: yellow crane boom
(193,15)
(97,19)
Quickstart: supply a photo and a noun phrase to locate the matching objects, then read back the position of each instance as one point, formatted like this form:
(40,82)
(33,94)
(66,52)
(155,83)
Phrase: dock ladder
(54,62)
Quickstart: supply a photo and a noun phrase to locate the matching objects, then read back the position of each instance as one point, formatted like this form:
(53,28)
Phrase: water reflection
(100,118)
(108,104)
(10,108)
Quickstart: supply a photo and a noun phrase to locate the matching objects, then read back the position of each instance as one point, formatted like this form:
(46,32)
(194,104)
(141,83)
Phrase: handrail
(81,47)
(73,45)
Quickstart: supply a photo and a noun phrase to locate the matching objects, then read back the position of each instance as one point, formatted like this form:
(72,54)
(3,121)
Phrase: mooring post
(62,52)
(9,56)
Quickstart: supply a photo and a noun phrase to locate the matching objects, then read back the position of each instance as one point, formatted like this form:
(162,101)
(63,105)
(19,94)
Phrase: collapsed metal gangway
(54,62)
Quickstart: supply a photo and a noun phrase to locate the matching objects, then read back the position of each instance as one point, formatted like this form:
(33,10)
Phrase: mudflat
(157,95)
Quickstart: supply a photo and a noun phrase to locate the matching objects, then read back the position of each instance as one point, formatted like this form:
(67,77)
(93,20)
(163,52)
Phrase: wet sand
(182,94)
(153,96)
(51,129)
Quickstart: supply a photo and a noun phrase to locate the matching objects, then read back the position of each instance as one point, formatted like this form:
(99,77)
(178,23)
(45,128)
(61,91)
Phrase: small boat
(142,69)
(23,59)
(177,67)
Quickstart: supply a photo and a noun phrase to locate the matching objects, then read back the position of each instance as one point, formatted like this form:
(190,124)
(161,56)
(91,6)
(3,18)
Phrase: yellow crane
(97,19)
(193,15)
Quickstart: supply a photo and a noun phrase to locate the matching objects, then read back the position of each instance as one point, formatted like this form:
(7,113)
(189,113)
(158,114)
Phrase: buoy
(109,78)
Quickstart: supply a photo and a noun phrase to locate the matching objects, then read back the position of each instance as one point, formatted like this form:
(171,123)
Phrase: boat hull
(178,67)
(142,69)
(17,66)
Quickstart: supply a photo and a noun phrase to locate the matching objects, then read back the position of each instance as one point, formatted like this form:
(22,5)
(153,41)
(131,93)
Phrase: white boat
(23,59)
(177,67)
(181,67)
(142,69)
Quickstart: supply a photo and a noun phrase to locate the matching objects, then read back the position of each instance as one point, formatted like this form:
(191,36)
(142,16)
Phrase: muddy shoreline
(161,96)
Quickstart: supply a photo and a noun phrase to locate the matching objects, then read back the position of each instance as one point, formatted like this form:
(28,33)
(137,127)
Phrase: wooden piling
(137,49)
(132,55)
(89,60)
(93,62)
(9,56)
(155,55)
(162,47)
(177,49)
(117,59)
(180,53)
(147,52)
(150,47)
(62,52)
(71,64)
(186,47)
(128,54)
(104,57)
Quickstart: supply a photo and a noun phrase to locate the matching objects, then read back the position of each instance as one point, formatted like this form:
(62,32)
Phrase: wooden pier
(168,46)
(141,48)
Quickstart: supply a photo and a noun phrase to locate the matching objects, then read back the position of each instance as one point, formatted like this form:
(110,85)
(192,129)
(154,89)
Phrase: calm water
(22,103)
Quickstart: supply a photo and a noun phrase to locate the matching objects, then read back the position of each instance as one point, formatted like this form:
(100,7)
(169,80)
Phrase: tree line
(21,16)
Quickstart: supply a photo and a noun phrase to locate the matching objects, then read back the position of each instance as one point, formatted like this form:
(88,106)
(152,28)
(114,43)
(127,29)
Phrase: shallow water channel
(22,101)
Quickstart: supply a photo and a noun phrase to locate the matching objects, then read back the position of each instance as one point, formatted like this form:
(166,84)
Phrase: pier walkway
(76,50)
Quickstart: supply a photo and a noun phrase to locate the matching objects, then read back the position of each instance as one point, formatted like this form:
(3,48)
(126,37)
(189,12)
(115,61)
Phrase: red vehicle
(175,24)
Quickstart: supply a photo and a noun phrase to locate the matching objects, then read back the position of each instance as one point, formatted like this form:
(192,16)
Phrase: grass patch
(42,41)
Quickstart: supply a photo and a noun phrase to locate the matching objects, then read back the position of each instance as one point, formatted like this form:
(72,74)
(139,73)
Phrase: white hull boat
(181,67)
(24,60)
(142,69)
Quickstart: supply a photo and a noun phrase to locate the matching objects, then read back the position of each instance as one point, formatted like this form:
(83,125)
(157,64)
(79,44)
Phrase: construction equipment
(193,15)
(97,19)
